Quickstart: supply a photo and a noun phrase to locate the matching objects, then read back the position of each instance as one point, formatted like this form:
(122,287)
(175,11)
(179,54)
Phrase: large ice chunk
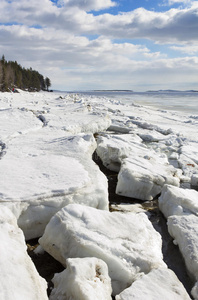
(188,166)
(19,277)
(127,242)
(75,118)
(84,279)
(184,230)
(113,148)
(142,171)
(158,284)
(180,206)
(46,170)
(177,201)
(144,177)
(190,151)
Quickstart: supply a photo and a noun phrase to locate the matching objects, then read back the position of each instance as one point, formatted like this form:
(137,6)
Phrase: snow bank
(157,284)
(127,242)
(84,279)
(15,121)
(19,277)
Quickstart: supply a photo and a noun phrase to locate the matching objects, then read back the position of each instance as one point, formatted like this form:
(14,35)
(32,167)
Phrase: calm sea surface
(178,101)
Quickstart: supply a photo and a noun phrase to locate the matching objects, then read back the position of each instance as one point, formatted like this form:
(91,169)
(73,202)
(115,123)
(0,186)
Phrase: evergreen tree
(13,75)
(4,86)
(47,83)
(3,59)
(1,74)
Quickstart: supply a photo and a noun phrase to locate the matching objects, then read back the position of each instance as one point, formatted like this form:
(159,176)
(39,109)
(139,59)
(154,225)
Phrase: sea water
(186,102)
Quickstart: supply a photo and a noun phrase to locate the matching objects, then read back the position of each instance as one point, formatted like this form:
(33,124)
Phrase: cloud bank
(80,49)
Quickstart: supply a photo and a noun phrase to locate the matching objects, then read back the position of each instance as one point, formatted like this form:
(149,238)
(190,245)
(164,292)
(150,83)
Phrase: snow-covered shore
(48,178)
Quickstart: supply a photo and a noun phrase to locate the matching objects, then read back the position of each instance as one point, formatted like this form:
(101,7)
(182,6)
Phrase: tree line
(13,76)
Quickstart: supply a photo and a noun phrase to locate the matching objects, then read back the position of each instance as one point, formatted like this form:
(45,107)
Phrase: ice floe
(84,279)
(142,171)
(19,277)
(14,122)
(143,178)
(178,201)
(180,206)
(184,230)
(127,242)
(158,284)
(46,160)
(47,172)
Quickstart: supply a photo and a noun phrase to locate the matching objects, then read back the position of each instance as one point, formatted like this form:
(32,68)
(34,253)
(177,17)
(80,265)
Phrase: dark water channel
(45,264)
(171,253)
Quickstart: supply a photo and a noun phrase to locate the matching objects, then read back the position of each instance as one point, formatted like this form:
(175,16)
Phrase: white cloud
(188,49)
(69,49)
(137,75)
(171,2)
(78,50)
(170,26)
(88,5)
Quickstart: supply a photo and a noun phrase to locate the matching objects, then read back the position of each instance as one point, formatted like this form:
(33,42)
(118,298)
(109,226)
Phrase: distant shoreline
(129,91)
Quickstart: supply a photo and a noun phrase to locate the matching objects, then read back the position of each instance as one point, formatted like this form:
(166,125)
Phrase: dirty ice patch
(127,242)
(188,162)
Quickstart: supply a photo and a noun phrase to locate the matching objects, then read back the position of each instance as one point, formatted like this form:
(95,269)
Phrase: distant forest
(13,76)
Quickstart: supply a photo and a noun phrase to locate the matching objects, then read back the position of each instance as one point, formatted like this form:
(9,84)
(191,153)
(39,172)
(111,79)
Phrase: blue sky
(104,44)
(124,6)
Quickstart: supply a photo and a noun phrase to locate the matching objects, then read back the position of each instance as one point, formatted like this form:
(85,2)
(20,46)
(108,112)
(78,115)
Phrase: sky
(104,44)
